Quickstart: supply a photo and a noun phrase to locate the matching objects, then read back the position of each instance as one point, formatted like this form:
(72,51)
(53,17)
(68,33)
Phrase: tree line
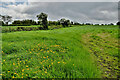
(42,17)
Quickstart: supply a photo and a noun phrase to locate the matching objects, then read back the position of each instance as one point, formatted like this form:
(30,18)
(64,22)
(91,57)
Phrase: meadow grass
(60,53)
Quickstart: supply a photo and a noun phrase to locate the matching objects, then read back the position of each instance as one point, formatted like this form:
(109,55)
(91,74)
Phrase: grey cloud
(76,11)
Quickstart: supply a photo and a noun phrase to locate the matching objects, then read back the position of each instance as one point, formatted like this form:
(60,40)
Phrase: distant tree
(49,23)
(6,19)
(1,23)
(0,17)
(34,22)
(17,22)
(52,23)
(118,23)
(67,22)
(102,24)
(43,17)
(76,23)
(111,24)
(58,22)
(88,24)
(82,24)
(97,24)
(71,22)
(64,22)
(24,22)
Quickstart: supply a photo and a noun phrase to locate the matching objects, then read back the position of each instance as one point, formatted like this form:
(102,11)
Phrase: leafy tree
(64,22)
(52,23)
(39,23)
(24,22)
(49,23)
(58,22)
(1,23)
(67,22)
(82,24)
(97,24)
(111,24)
(102,24)
(43,18)
(17,22)
(71,22)
(0,20)
(88,23)
(76,23)
(118,23)
(6,19)
(0,17)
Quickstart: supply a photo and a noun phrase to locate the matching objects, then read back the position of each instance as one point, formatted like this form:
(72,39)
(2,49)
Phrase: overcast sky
(93,12)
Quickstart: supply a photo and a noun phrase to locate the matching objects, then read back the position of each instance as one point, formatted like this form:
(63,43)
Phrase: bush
(10,29)
(118,23)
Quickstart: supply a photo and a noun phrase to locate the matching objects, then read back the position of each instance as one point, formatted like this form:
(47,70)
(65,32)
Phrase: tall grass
(49,54)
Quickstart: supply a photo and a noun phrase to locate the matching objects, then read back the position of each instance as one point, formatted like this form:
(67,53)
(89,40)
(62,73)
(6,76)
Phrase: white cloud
(16,11)
(73,0)
(60,0)
(7,0)
(18,8)
(82,12)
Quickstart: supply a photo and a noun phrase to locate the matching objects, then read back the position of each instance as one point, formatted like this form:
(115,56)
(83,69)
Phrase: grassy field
(74,52)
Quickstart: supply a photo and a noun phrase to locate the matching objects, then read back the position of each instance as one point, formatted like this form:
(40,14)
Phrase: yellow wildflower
(23,70)
(52,63)
(15,73)
(13,77)
(13,63)
(58,62)
(44,57)
(45,71)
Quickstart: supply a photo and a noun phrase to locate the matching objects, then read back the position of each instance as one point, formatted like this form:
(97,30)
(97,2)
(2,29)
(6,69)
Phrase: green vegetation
(74,52)
(0,55)
(104,45)
(43,18)
(6,29)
